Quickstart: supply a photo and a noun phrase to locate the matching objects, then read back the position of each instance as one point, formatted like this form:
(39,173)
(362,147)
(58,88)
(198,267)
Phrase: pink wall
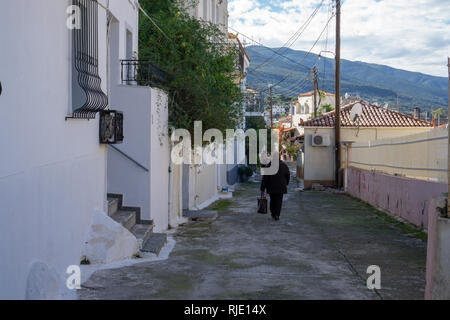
(404,197)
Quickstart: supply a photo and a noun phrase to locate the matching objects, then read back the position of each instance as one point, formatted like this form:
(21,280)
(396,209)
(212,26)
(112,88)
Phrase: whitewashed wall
(159,160)
(206,185)
(52,171)
(214,11)
(176,196)
(124,176)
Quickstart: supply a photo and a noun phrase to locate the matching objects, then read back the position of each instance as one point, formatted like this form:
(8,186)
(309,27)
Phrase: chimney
(416,113)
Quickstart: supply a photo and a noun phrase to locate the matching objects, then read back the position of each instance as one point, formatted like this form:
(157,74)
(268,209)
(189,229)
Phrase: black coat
(277,183)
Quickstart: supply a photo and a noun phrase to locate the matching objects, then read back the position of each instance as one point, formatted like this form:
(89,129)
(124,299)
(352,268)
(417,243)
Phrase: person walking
(276,186)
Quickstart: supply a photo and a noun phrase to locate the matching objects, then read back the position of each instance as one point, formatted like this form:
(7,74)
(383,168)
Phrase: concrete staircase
(130,218)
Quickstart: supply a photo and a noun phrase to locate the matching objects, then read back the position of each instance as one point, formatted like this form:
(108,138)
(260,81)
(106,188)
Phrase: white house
(372,122)
(203,184)
(302,109)
(138,169)
(57,64)
(215,11)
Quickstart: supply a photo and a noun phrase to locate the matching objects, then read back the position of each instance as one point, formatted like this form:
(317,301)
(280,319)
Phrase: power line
(300,83)
(153,22)
(296,35)
(317,40)
(273,50)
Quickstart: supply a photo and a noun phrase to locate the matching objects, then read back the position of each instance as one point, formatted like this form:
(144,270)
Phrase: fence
(420,156)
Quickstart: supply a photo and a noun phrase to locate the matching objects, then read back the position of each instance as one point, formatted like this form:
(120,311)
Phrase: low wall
(403,197)
(438,254)
(419,156)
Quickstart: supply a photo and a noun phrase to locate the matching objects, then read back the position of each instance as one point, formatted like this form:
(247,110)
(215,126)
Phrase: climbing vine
(200,62)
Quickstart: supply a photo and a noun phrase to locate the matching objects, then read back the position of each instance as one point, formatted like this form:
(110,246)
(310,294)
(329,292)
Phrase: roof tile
(372,116)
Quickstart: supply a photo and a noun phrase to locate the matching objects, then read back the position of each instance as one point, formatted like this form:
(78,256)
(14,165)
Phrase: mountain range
(291,74)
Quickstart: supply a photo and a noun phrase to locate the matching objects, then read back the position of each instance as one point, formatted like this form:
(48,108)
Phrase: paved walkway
(320,249)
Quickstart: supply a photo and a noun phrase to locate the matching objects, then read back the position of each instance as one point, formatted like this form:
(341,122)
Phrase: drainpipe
(170,182)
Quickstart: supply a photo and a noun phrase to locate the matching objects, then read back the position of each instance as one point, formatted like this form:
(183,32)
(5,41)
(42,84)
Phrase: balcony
(142,73)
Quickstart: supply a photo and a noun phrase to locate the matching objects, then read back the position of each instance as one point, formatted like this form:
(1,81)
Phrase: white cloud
(407,34)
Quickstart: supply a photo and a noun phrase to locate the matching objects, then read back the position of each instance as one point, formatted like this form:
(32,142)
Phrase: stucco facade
(53,172)
(215,11)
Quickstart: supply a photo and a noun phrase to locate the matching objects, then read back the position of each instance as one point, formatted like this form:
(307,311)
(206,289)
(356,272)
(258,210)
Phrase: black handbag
(262,204)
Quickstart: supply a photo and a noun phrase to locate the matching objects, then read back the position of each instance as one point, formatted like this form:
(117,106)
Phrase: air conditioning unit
(111,127)
(320,140)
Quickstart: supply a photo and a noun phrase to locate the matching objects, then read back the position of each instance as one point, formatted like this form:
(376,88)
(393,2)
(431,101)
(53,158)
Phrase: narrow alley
(320,249)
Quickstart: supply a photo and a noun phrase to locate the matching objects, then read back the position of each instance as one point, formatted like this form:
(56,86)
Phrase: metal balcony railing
(142,73)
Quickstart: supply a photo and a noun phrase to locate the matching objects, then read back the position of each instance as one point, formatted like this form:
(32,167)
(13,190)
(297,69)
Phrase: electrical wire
(294,37)
(317,40)
(153,22)
(273,50)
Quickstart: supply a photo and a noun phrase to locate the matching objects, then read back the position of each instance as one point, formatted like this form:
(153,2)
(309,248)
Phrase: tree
(256,123)
(440,112)
(324,109)
(200,62)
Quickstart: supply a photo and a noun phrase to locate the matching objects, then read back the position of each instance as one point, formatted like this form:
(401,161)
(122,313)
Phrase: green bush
(200,62)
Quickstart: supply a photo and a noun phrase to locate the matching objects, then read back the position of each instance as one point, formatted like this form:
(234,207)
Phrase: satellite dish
(356,112)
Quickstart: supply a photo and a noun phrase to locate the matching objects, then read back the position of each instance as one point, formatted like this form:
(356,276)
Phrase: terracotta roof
(372,116)
(310,93)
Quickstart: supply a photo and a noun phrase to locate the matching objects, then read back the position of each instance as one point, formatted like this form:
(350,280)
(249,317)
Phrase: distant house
(302,109)
(306,102)
(374,122)
(254,103)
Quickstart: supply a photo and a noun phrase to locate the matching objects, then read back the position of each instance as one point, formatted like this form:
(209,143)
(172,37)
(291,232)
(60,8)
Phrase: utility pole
(337,127)
(315,90)
(448,160)
(271,108)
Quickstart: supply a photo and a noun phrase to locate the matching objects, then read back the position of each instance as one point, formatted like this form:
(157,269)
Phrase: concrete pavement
(320,249)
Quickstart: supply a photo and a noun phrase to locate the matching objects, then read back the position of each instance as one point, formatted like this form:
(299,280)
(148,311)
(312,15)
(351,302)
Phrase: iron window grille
(89,94)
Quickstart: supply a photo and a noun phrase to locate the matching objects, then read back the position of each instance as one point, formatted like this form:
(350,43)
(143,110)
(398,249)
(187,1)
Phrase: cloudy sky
(406,34)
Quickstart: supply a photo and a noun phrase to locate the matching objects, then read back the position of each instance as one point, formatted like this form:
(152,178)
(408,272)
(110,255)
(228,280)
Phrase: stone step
(200,215)
(155,243)
(113,206)
(126,218)
(142,232)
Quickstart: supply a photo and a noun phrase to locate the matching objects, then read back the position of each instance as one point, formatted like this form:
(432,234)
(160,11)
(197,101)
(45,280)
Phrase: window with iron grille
(88,97)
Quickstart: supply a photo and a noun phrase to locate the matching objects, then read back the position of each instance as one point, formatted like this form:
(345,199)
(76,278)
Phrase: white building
(203,184)
(215,11)
(302,109)
(53,169)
